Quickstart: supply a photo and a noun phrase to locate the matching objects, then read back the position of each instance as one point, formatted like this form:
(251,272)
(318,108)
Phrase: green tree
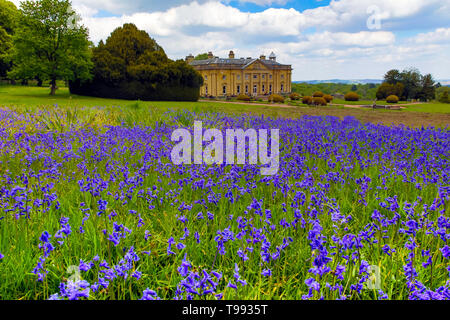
(412,80)
(428,91)
(387,89)
(50,44)
(8,20)
(201,56)
(131,65)
(393,76)
(442,94)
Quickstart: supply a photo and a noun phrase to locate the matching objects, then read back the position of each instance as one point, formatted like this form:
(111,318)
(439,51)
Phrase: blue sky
(321,39)
(298,5)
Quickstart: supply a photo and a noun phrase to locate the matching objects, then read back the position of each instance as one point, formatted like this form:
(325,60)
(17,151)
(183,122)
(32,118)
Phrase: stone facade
(251,76)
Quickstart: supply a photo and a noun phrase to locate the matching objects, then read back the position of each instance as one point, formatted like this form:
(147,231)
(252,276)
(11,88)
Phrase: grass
(123,160)
(365,102)
(430,107)
(35,98)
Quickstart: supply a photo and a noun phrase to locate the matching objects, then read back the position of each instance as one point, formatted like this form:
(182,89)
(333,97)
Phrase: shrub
(131,65)
(319,101)
(444,97)
(386,89)
(243,97)
(351,96)
(318,94)
(392,99)
(328,98)
(307,100)
(276,98)
(294,96)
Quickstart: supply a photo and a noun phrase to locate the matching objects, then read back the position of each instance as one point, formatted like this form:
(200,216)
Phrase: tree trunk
(39,82)
(53,87)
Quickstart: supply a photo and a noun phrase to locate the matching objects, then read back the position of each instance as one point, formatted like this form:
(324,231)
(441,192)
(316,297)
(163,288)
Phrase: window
(263,88)
(270,76)
(238,89)
(239,77)
(255,76)
(224,89)
(263,76)
(246,89)
(282,87)
(206,90)
(246,77)
(224,77)
(282,76)
(270,88)
(255,89)
(206,77)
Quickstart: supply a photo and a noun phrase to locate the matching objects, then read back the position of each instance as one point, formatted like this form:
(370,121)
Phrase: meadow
(91,207)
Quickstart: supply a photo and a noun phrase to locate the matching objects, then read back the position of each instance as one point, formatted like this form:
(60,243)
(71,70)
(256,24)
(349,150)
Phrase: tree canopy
(8,20)
(408,84)
(131,65)
(49,43)
(201,56)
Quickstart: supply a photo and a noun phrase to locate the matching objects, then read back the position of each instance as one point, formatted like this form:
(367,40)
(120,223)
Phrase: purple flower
(446,251)
(266,272)
(149,295)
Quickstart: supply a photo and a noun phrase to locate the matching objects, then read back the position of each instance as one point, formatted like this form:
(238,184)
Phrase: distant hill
(341,81)
(358,81)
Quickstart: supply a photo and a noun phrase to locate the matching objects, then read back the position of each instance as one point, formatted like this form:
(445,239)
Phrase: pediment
(255,65)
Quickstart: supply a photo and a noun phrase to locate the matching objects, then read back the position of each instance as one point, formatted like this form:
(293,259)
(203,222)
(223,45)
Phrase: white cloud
(440,35)
(331,40)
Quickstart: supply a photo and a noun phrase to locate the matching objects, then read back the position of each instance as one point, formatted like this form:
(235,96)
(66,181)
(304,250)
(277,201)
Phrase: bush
(276,98)
(307,100)
(351,96)
(318,94)
(319,101)
(131,65)
(444,97)
(328,98)
(243,97)
(386,89)
(294,96)
(392,99)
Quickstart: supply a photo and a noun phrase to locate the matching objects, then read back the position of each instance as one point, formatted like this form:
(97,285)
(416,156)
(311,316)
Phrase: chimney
(189,58)
(231,55)
(210,55)
(262,57)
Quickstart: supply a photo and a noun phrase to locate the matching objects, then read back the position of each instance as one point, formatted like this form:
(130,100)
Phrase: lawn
(430,108)
(365,102)
(26,98)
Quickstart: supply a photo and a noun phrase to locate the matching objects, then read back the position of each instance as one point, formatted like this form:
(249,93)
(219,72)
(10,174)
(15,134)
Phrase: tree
(131,65)
(442,94)
(393,76)
(387,89)
(201,56)
(428,91)
(8,20)
(411,79)
(50,44)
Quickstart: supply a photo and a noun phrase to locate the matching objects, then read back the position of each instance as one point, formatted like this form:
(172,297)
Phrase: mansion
(250,76)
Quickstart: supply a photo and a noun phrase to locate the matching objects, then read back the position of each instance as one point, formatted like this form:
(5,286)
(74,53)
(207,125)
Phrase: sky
(321,39)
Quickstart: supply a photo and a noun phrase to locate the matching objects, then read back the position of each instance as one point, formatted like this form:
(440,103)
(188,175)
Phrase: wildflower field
(91,207)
